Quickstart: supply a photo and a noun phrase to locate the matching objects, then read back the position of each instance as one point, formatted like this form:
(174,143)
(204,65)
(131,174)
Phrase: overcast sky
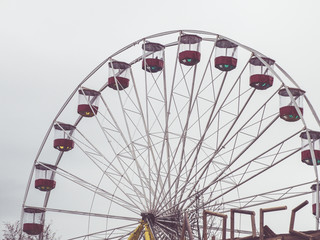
(48,47)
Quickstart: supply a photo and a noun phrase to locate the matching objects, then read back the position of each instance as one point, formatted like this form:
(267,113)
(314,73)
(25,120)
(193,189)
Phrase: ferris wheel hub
(148,217)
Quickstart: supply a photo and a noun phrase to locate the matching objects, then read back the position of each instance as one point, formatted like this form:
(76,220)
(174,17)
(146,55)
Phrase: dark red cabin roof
(152,47)
(294,91)
(33,210)
(224,43)
(88,92)
(64,126)
(189,39)
(256,61)
(118,65)
(45,166)
(313,135)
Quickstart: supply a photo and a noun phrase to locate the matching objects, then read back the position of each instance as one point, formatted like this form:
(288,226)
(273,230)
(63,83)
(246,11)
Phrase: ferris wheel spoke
(267,197)
(167,231)
(200,142)
(251,173)
(233,123)
(233,161)
(166,139)
(108,233)
(173,164)
(116,129)
(98,215)
(115,175)
(158,152)
(248,123)
(213,109)
(203,169)
(155,85)
(157,120)
(133,149)
(165,148)
(151,148)
(179,111)
(184,134)
(239,130)
(110,165)
(97,190)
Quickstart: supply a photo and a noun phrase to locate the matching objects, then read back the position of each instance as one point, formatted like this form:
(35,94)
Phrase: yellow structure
(137,232)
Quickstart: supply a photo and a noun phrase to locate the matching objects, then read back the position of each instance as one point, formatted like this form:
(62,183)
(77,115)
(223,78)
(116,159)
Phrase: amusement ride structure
(172,137)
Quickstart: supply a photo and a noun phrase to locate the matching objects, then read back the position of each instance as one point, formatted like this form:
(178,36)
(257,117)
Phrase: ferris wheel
(166,128)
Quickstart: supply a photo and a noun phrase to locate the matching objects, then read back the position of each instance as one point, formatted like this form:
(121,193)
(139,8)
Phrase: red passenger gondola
(88,102)
(261,77)
(44,177)
(288,111)
(62,140)
(306,154)
(119,71)
(33,221)
(314,198)
(153,57)
(225,55)
(189,52)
